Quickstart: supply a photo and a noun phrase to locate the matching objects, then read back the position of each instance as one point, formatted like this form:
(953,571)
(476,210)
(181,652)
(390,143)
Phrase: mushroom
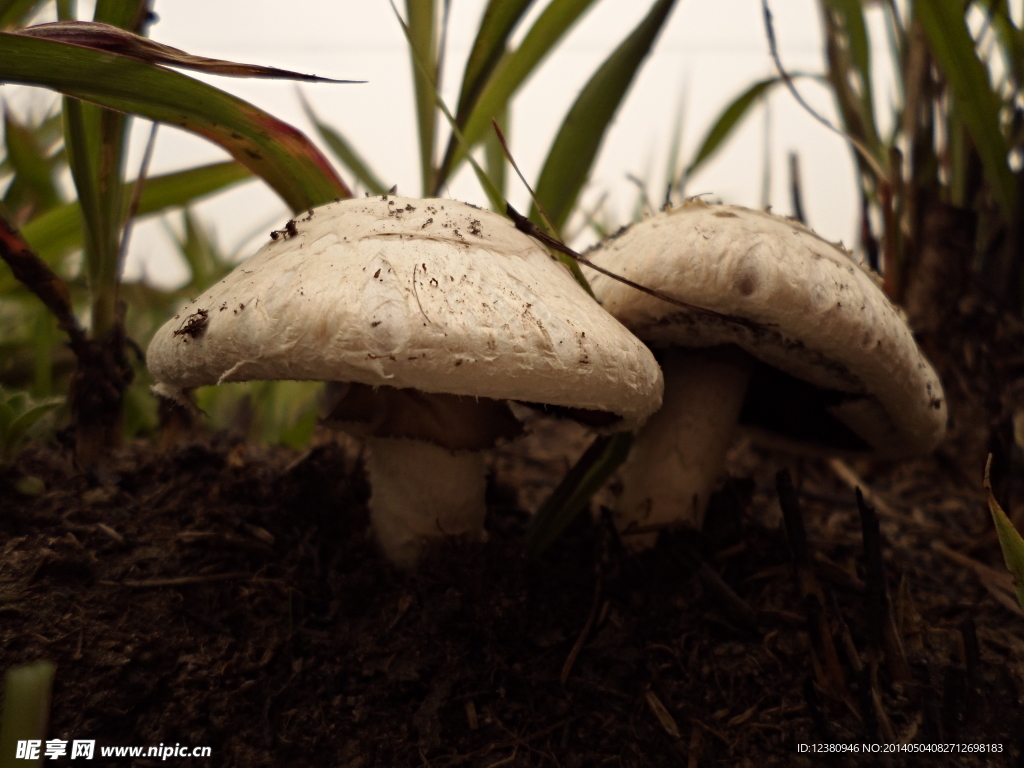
(427,315)
(800,346)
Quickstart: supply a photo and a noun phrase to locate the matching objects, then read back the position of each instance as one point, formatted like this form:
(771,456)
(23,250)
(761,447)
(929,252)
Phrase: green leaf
(495,197)
(107,37)
(270,148)
(731,117)
(953,48)
(33,184)
(423,46)
(499,19)
(595,466)
(344,151)
(1009,539)
(849,56)
(18,414)
(513,69)
(59,231)
(572,154)
(14,13)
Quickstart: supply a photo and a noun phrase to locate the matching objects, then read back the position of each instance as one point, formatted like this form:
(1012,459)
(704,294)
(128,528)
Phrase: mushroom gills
(679,453)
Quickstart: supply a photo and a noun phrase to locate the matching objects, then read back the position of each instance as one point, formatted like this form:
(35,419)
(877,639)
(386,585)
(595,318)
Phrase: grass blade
(423,50)
(343,151)
(1009,539)
(33,189)
(595,466)
(495,197)
(59,231)
(499,19)
(270,148)
(572,154)
(513,69)
(727,121)
(953,48)
(106,37)
(14,13)
(849,58)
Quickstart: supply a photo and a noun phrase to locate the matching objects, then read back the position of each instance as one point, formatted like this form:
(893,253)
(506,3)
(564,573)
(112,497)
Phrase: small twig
(858,145)
(584,633)
(177,582)
(416,293)
(133,206)
(526,226)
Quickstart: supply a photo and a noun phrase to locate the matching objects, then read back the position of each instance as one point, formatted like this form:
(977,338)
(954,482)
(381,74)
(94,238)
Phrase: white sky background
(711,49)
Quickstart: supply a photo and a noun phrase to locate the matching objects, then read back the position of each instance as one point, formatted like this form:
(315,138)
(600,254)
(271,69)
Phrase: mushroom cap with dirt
(427,315)
(801,347)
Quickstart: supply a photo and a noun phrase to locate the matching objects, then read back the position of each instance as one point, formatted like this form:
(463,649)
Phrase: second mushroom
(804,349)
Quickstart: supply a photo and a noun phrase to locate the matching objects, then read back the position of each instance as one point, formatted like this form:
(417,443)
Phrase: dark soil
(226,595)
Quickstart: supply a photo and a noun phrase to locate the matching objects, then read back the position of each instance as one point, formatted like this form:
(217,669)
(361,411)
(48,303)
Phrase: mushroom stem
(679,453)
(420,492)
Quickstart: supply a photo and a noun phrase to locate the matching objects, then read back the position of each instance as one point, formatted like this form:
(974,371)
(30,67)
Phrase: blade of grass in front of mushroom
(270,148)
(598,463)
(343,150)
(1010,540)
(511,72)
(574,149)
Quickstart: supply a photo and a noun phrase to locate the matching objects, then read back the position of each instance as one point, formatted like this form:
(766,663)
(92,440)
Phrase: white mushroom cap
(429,294)
(801,305)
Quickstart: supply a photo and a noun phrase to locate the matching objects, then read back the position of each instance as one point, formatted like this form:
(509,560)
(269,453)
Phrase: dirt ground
(226,595)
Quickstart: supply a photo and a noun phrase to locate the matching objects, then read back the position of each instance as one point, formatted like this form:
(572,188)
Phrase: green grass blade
(58,232)
(1009,539)
(572,154)
(953,48)
(499,20)
(270,148)
(494,156)
(495,197)
(106,37)
(422,36)
(33,185)
(729,119)
(14,13)
(513,69)
(343,151)
(26,710)
(849,57)
(595,466)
